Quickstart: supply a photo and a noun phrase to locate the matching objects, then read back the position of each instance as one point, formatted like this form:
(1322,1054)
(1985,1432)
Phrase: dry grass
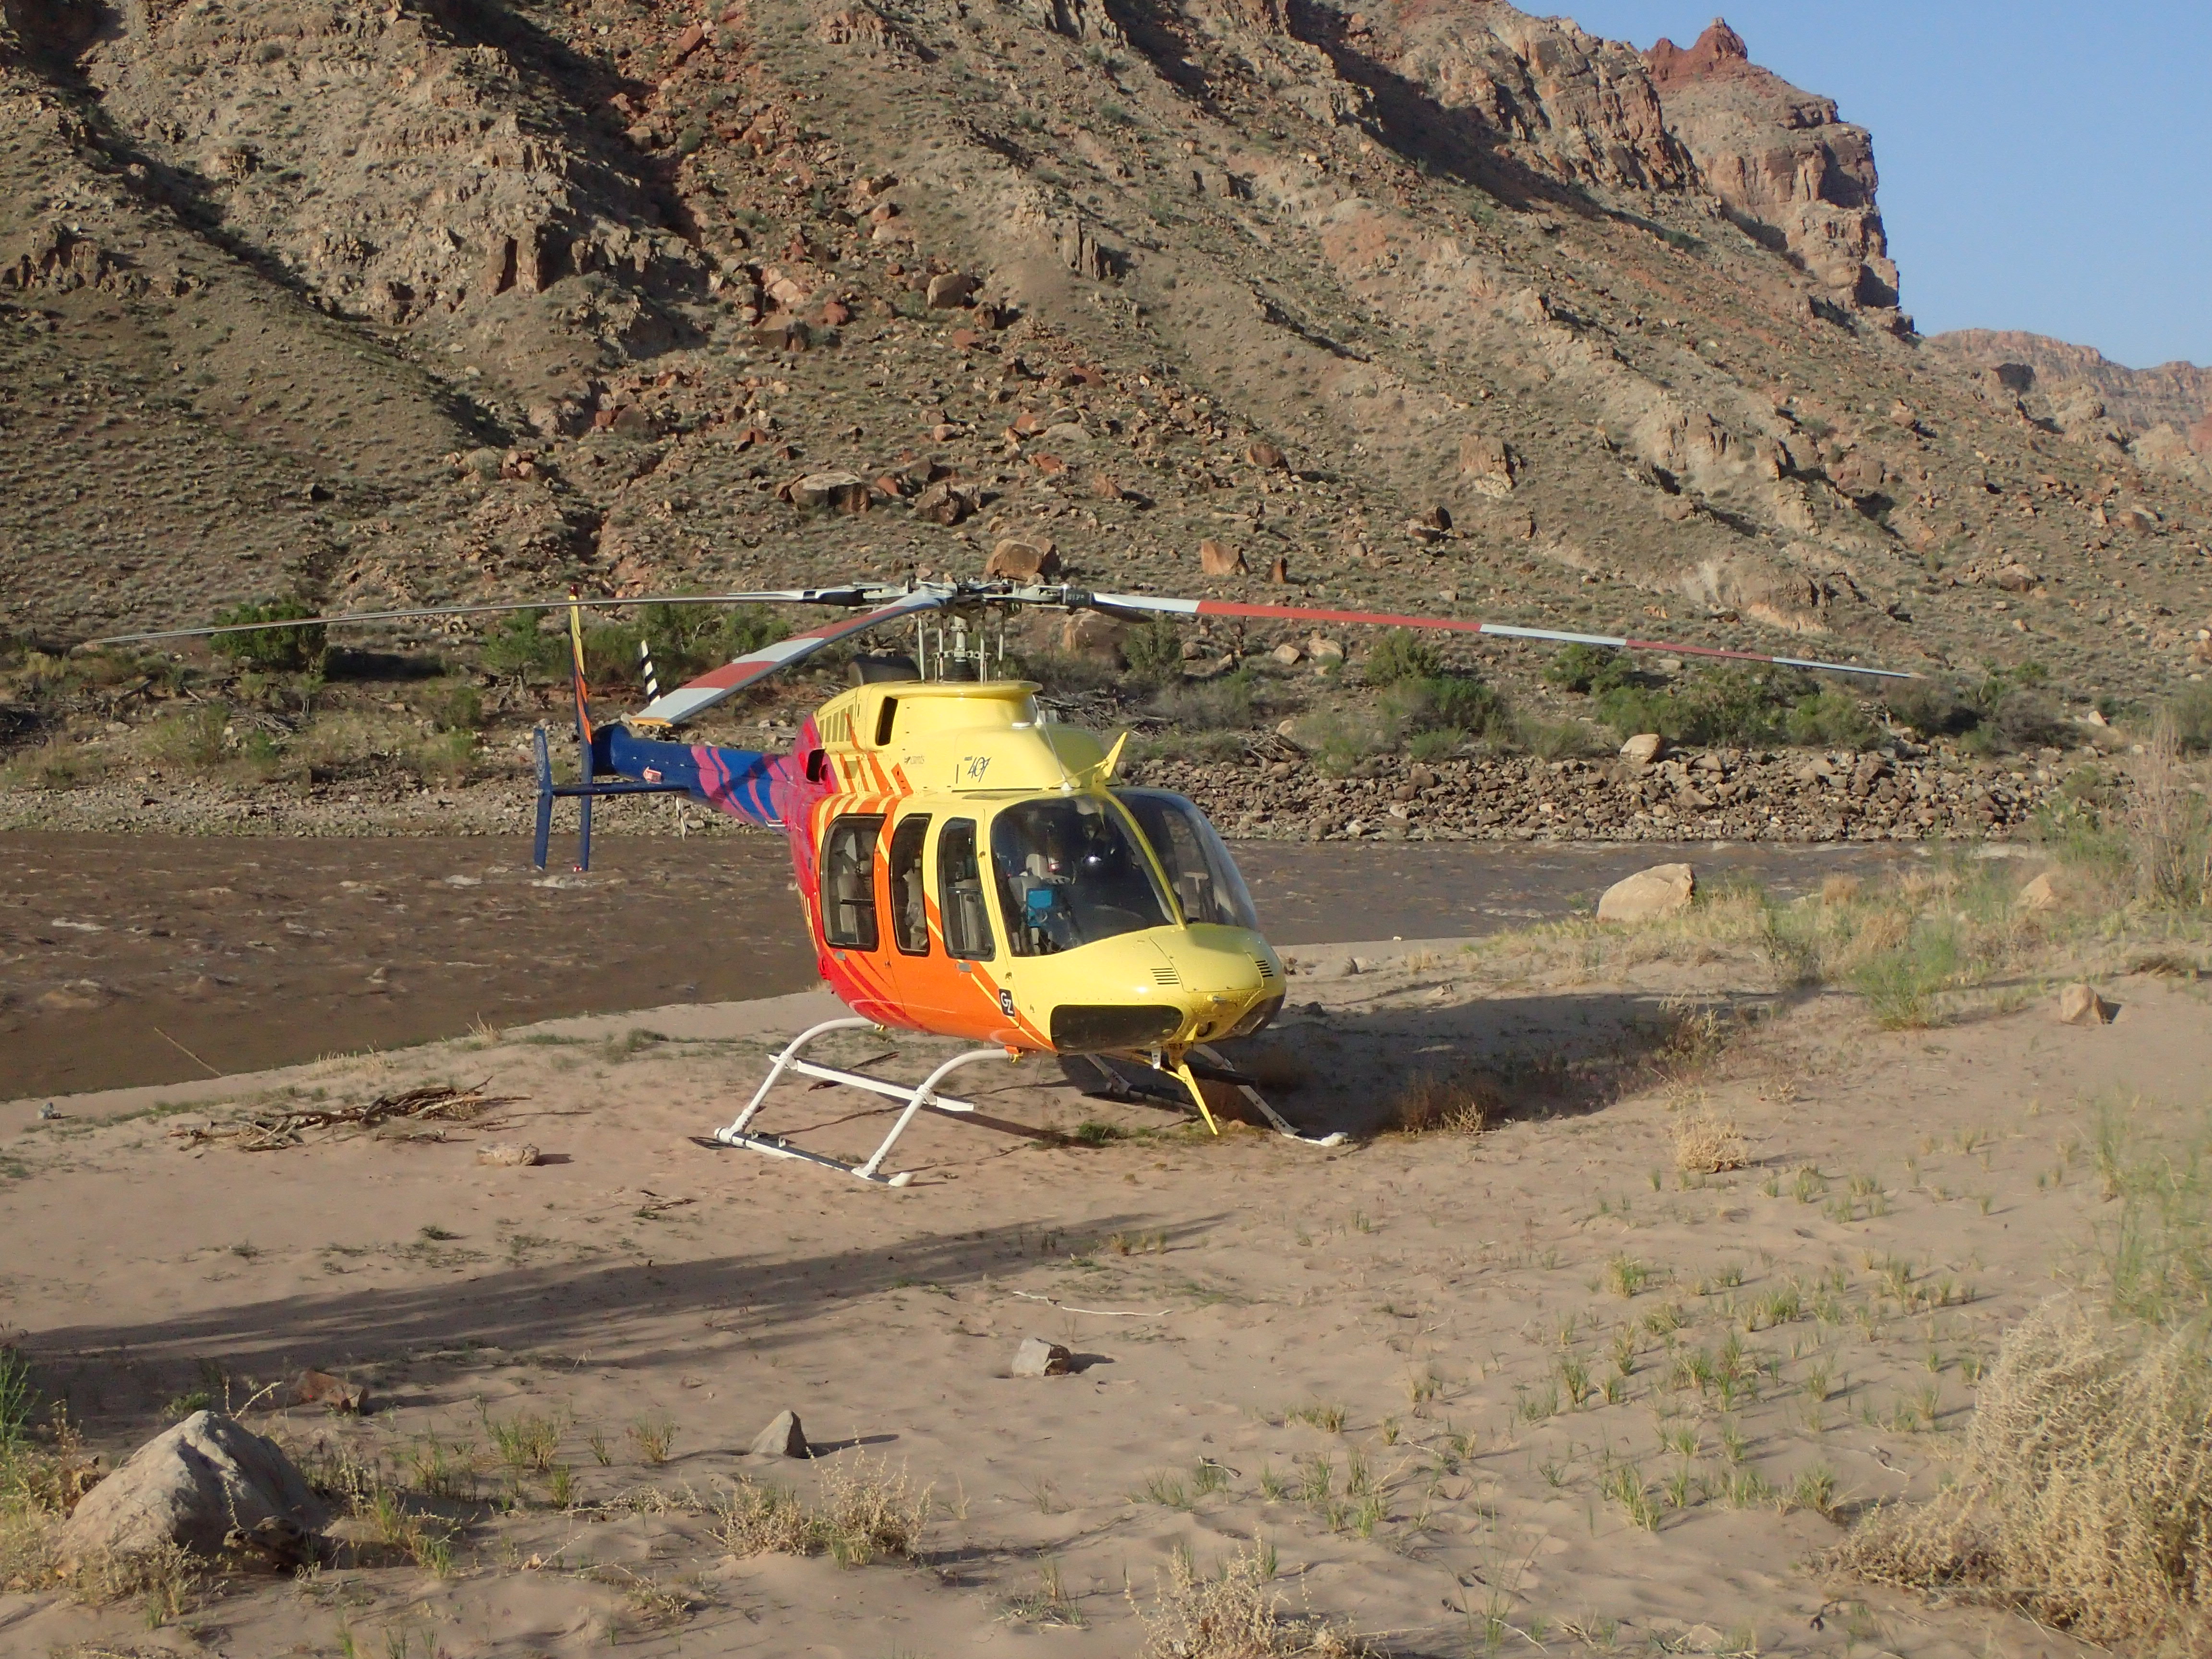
(1430,1105)
(1707,1142)
(1235,1615)
(2085,1492)
(864,1513)
(2169,827)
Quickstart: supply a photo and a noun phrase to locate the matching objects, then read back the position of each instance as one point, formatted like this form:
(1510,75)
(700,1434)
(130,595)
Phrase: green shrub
(288,649)
(1447,702)
(453,705)
(192,737)
(1153,651)
(1741,706)
(516,645)
(1832,719)
(686,639)
(1401,654)
(1929,707)
(1594,669)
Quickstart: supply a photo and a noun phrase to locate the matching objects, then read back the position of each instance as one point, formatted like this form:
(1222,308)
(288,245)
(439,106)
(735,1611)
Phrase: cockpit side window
(1208,885)
(848,883)
(967,918)
(1069,874)
(909,907)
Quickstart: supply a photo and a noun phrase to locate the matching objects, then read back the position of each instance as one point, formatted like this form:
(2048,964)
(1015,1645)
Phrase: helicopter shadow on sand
(635,1317)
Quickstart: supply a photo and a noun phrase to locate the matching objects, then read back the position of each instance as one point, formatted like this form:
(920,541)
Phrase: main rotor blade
(1154,604)
(719,684)
(847,596)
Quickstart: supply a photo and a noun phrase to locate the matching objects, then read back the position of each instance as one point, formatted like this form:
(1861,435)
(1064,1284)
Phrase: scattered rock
(2045,892)
(192,1486)
(2080,1005)
(1643,748)
(1022,560)
(314,1387)
(1088,634)
(1268,457)
(1664,890)
(1038,1357)
(944,502)
(508,1155)
(1278,573)
(782,1437)
(1216,560)
(1287,654)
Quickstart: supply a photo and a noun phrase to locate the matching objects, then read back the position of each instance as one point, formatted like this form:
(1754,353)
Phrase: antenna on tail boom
(586,788)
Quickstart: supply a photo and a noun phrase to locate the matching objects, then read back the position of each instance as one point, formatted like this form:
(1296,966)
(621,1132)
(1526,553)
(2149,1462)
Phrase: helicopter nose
(1226,974)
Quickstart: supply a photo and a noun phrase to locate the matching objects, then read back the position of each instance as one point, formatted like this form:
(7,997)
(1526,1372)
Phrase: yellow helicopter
(967,867)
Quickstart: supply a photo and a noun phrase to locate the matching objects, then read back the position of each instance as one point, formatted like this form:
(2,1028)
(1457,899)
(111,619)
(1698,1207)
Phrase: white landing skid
(917,1097)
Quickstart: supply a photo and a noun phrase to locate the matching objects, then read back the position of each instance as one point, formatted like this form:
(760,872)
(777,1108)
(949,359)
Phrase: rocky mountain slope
(1433,304)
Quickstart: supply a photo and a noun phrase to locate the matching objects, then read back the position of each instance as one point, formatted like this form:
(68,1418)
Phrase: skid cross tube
(740,1133)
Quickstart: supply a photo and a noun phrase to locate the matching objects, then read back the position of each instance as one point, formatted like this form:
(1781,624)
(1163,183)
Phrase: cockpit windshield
(1205,877)
(1069,874)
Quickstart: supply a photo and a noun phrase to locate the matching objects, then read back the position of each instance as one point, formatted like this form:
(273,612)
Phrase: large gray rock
(192,1486)
(1038,1357)
(1664,890)
(784,1436)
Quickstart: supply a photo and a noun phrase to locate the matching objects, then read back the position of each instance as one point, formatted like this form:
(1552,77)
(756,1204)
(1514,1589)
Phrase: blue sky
(2043,166)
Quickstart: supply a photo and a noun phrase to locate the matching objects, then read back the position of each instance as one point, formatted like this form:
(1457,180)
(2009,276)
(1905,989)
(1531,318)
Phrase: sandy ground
(1450,1295)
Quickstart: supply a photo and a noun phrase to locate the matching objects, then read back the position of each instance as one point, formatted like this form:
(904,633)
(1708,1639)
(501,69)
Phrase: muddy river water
(144,959)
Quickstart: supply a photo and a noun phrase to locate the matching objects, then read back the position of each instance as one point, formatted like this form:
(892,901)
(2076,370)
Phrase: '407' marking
(973,767)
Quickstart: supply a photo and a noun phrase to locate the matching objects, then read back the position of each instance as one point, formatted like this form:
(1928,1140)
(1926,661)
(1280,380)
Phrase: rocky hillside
(1432,304)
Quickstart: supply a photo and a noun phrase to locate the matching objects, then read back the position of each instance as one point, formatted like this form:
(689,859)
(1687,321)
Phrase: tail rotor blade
(1153,605)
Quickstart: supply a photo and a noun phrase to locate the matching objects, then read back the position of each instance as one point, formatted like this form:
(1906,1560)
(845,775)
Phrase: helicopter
(968,866)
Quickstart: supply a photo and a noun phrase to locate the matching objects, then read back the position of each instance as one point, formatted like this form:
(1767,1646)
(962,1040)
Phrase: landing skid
(916,1098)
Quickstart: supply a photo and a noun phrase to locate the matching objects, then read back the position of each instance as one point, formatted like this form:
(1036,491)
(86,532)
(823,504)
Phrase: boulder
(782,1437)
(192,1487)
(2045,892)
(1643,748)
(1022,560)
(845,491)
(1087,634)
(944,503)
(1038,1357)
(508,1155)
(1268,457)
(1214,559)
(1486,464)
(953,288)
(1287,654)
(1664,890)
(2080,1005)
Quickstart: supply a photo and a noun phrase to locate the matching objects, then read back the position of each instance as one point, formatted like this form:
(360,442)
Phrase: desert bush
(1153,652)
(2169,825)
(1592,669)
(1450,703)
(2084,1492)
(1551,740)
(1830,719)
(518,645)
(1930,708)
(686,640)
(1402,654)
(1707,1142)
(287,649)
(1067,672)
(2190,710)
(452,706)
(865,1512)
(1450,1105)
(1229,703)
(1234,1614)
(191,737)
(1740,705)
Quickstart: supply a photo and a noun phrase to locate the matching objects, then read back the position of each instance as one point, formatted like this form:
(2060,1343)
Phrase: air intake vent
(1267,969)
(1167,976)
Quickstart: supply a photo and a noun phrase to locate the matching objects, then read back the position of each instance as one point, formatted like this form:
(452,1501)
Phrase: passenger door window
(960,893)
(910,905)
(848,883)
